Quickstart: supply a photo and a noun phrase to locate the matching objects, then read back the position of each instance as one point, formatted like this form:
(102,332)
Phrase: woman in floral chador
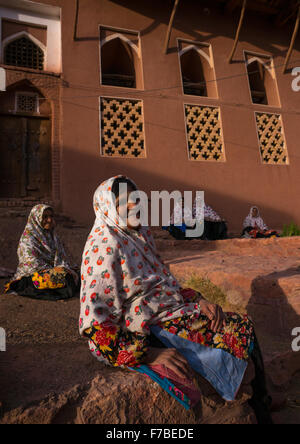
(44,271)
(137,316)
(255,227)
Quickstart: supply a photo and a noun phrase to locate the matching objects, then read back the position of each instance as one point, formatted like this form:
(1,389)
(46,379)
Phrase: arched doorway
(25,143)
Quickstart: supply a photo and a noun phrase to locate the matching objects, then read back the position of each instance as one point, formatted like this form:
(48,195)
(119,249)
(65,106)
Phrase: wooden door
(25,157)
(38,164)
(12,152)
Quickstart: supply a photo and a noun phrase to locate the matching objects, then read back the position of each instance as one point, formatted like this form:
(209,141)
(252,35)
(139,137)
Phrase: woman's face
(48,222)
(254,212)
(125,209)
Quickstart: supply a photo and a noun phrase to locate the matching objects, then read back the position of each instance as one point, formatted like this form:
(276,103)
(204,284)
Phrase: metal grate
(27,103)
(204,133)
(23,52)
(122,128)
(272,144)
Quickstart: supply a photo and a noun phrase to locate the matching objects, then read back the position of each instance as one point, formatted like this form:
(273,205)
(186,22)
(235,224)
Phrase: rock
(262,277)
(113,400)
(122,397)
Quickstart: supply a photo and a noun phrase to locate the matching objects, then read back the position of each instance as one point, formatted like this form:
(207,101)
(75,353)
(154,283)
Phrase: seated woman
(215,227)
(254,226)
(180,221)
(137,316)
(44,271)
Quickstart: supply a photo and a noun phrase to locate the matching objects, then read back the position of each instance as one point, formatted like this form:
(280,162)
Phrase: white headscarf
(251,221)
(209,213)
(123,280)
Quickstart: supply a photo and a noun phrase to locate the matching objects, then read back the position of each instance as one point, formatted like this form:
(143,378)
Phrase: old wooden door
(25,157)
(12,144)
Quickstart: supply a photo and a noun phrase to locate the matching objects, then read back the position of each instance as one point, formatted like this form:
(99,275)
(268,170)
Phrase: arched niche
(197,73)
(120,63)
(262,82)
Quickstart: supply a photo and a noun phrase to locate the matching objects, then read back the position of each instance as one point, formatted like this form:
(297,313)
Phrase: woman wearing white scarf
(43,271)
(255,227)
(128,294)
(254,220)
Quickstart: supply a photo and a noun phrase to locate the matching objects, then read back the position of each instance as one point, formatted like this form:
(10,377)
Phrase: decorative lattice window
(26,102)
(271,138)
(204,134)
(122,128)
(24,52)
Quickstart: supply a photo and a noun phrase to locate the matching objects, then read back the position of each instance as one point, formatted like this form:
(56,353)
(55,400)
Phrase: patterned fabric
(39,249)
(255,222)
(222,370)
(236,338)
(124,281)
(52,279)
(184,214)
(259,234)
(184,391)
(209,213)
(118,347)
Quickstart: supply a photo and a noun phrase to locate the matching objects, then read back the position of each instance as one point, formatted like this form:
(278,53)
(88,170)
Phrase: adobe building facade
(92,93)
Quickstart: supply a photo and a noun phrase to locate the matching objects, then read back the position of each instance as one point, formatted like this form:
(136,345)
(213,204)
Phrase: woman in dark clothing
(215,228)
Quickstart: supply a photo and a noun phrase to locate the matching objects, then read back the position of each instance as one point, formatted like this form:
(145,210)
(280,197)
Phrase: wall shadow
(87,172)
(194,18)
(271,310)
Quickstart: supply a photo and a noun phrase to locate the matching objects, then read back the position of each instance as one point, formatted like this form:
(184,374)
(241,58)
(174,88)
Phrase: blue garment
(168,386)
(182,227)
(222,370)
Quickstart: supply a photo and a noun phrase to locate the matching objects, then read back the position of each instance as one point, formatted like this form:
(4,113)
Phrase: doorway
(25,157)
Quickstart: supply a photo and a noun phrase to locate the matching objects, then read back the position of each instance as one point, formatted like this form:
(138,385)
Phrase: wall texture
(231,186)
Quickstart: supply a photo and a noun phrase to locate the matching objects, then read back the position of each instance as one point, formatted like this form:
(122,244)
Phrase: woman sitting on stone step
(183,218)
(137,316)
(215,228)
(255,227)
(44,271)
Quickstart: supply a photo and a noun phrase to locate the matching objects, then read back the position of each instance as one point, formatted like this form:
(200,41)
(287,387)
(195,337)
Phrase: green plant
(290,230)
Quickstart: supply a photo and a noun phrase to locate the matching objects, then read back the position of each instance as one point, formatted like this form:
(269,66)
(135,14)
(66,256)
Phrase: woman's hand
(214,313)
(170,358)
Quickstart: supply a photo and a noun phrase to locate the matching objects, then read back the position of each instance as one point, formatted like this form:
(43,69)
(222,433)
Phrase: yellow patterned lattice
(122,128)
(204,133)
(271,138)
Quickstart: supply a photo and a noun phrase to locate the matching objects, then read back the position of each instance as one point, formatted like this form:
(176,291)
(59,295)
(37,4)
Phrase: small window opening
(262,80)
(117,61)
(193,78)
(25,53)
(257,75)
